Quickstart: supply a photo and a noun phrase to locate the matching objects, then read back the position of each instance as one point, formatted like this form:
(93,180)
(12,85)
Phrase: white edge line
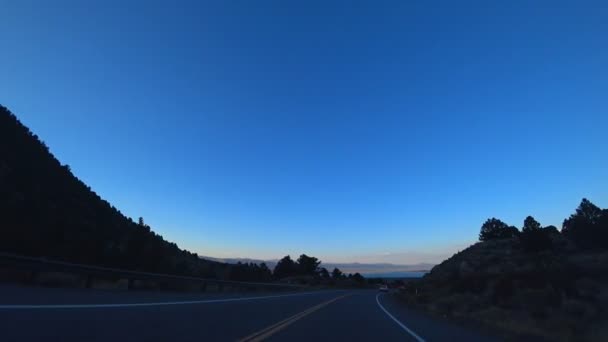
(129,305)
(418,338)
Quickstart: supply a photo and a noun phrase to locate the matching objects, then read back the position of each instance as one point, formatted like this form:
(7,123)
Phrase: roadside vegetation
(537,281)
(46,211)
(308,270)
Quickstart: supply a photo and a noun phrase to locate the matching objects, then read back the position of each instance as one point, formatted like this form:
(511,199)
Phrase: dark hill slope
(46,211)
(558,293)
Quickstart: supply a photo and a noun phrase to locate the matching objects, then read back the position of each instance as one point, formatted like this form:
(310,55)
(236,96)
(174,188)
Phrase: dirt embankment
(557,295)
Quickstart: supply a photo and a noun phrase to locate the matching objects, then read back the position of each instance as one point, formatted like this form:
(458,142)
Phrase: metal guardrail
(38,265)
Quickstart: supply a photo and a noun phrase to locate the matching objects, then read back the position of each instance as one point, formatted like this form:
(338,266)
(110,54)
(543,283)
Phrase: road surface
(41,314)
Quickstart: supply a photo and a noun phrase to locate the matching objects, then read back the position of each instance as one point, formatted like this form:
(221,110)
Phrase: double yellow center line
(275,328)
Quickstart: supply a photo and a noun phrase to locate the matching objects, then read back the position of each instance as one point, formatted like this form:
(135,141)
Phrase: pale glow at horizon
(244,131)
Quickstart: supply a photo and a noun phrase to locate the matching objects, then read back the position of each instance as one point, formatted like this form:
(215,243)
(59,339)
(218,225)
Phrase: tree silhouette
(530,224)
(533,237)
(588,226)
(323,273)
(308,265)
(551,229)
(265,272)
(285,267)
(47,212)
(494,228)
(337,274)
(358,278)
(249,272)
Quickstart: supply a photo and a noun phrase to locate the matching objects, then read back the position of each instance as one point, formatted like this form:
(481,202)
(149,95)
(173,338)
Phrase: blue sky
(352,131)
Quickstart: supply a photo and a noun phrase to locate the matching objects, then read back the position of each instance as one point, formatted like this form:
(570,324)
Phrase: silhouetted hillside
(46,211)
(537,281)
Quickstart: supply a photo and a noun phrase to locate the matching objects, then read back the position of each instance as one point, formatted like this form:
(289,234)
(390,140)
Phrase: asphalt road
(41,314)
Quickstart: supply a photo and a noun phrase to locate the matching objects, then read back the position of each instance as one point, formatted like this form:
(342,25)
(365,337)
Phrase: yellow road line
(275,328)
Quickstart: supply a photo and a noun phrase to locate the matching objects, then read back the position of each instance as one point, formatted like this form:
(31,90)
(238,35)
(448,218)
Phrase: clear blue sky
(352,131)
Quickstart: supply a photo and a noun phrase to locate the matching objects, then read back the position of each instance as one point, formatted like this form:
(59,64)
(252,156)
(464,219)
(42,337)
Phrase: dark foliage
(323,273)
(533,237)
(286,267)
(543,284)
(496,229)
(530,224)
(536,240)
(249,272)
(337,274)
(358,278)
(306,270)
(47,212)
(588,227)
(308,265)
(551,230)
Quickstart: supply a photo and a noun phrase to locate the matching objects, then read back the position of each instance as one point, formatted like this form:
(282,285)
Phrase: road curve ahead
(39,314)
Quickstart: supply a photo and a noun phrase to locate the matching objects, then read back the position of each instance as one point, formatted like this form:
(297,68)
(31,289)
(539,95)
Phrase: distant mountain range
(368,270)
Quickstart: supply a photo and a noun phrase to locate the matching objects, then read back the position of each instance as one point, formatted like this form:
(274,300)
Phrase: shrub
(588,227)
(494,229)
(536,240)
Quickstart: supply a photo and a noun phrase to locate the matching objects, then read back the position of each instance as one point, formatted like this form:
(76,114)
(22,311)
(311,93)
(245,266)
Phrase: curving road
(40,314)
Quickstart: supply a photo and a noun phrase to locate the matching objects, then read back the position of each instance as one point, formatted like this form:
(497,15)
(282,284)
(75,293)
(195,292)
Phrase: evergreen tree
(494,228)
(286,267)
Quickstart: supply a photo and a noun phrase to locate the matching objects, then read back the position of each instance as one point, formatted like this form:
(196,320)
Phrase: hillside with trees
(537,281)
(46,211)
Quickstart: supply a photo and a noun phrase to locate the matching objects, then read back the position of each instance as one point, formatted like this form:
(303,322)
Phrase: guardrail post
(204,286)
(220,287)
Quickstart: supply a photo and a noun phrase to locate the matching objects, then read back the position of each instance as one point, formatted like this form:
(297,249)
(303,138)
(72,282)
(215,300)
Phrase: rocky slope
(558,294)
